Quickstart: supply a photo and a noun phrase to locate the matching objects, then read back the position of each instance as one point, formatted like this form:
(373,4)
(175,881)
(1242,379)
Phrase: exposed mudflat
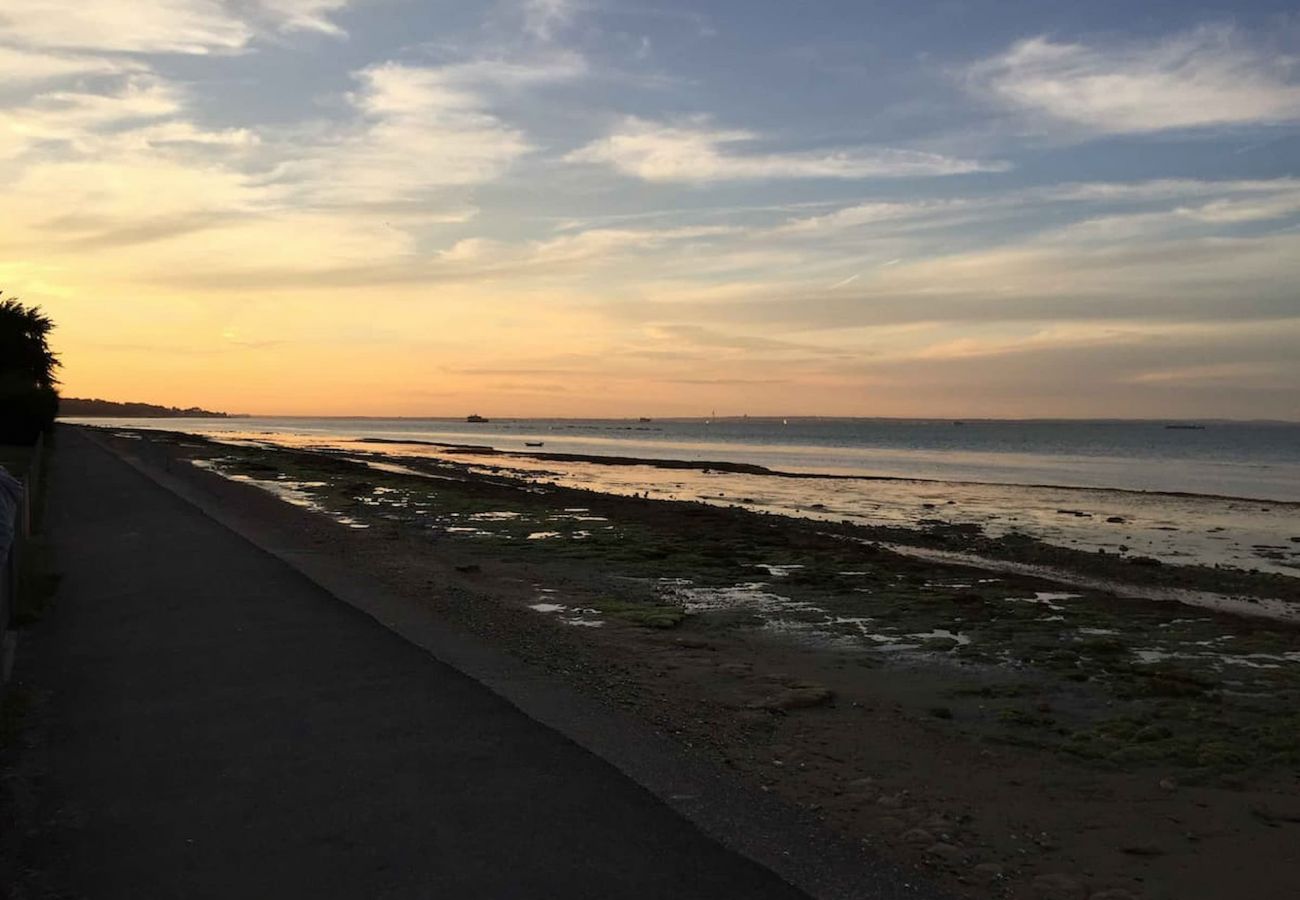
(1006,714)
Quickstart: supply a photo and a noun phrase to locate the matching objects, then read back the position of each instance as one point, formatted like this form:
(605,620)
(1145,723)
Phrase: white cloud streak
(659,152)
(543,18)
(422,128)
(1206,77)
(158,26)
(26,68)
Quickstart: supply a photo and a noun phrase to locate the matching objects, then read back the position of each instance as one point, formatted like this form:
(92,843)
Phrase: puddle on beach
(578,617)
(807,622)
(1257,607)
(804,621)
(298,493)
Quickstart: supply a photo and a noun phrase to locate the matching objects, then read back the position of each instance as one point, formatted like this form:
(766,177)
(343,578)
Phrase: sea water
(1234,459)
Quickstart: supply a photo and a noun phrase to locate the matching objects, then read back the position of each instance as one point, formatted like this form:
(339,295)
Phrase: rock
(1058,886)
(1116,520)
(944,852)
(695,643)
(864,790)
(939,823)
(1275,811)
(469,569)
(986,873)
(892,801)
(1142,850)
(803,695)
(918,837)
(1168,784)
(890,824)
(1114,894)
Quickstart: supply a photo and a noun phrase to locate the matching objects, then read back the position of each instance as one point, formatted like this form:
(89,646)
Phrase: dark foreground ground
(212,724)
(1005,735)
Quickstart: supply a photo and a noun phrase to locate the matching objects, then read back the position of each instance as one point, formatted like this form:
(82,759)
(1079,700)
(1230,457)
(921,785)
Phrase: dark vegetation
(29,400)
(79,406)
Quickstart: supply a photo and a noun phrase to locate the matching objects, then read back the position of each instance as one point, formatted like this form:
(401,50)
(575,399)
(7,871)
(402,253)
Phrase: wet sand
(1008,734)
(1178,528)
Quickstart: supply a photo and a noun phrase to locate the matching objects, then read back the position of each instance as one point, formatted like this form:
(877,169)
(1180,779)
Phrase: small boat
(534,443)
(645,419)
(476,418)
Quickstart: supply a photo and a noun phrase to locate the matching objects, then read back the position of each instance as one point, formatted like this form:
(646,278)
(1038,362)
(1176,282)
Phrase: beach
(999,711)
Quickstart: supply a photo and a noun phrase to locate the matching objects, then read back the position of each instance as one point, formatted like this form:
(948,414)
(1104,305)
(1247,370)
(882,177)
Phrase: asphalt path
(217,725)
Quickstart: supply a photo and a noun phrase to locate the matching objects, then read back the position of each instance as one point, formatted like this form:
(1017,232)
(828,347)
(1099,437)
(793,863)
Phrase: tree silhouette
(28,399)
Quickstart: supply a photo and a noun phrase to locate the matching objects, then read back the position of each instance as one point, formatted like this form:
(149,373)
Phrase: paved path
(221,727)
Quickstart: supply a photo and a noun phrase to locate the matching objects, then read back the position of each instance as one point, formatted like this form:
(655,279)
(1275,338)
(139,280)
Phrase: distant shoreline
(80,407)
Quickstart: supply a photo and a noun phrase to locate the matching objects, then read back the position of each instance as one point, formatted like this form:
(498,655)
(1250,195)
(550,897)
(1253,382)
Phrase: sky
(630,207)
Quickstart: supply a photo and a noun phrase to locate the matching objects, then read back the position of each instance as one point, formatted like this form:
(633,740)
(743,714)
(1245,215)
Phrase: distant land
(75,406)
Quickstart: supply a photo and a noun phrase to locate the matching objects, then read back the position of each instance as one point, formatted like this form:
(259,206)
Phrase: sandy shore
(1007,734)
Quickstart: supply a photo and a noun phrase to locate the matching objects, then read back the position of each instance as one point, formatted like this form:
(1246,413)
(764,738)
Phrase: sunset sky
(634,207)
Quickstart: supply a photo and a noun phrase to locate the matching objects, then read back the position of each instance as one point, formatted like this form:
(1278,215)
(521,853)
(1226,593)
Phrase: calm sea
(1235,459)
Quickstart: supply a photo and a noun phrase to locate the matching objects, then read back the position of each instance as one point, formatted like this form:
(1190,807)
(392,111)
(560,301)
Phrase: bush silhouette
(29,399)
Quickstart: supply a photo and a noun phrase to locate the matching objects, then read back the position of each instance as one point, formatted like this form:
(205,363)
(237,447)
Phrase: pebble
(1057,886)
(918,836)
(1142,850)
(801,696)
(946,852)
(890,824)
(940,824)
(985,873)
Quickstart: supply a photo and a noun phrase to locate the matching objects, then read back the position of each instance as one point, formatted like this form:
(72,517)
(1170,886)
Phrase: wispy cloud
(303,15)
(421,129)
(1212,75)
(79,119)
(159,26)
(543,18)
(697,152)
(26,67)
